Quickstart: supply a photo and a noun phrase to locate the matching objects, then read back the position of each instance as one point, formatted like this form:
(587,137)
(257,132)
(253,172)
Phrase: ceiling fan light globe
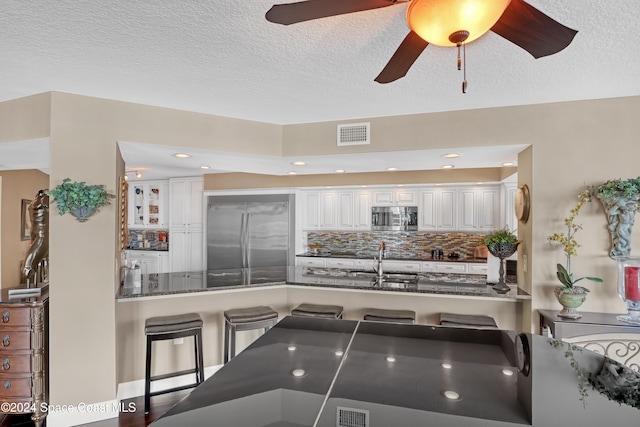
(435,20)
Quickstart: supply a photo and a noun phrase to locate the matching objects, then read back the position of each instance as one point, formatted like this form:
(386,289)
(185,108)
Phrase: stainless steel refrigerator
(250,231)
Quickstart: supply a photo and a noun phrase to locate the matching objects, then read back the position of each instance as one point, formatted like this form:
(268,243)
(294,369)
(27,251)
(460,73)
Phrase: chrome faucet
(378,260)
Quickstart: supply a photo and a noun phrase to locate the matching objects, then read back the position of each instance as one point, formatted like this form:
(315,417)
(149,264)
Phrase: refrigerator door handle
(242,240)
(247,243)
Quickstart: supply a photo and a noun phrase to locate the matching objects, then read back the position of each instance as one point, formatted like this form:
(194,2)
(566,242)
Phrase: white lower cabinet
(311,262)
(450,267)
(187,280)
(340,263)
(186,248)
(477,268)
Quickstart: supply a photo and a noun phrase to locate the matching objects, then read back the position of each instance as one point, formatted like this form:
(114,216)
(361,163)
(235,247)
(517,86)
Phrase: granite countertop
(217,280)
(389,258)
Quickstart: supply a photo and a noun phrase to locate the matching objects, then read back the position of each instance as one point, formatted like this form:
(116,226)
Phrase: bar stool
(168,328)
(318,310)
(390,316)
(245,319)
(467,321)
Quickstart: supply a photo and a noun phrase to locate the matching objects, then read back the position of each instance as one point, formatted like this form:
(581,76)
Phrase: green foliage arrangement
(503,236)
(569,244)
(619,188)
(73,195)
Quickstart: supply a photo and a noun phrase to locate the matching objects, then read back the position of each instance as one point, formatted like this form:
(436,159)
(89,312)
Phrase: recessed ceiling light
(507,164)
(299,163)
(507,372)
(292,173)
(298,372)
(447,166)
(291,348)
(205,167)
(446,365)
(392,169)
(451,155)
(182,155)
(391,359)
(340,171)
(451,395)
(339,353)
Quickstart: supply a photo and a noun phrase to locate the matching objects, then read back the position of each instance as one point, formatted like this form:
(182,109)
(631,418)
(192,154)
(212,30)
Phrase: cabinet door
(178,250)
(510,219)
(383,197)
(195,250)
(311,262)
(328,210)
(405,197)
(164,263)
(311,210)
(362,210)
(179,194)
(401,266)
(447,209)
(195,202)
(488,209)
(137,211)
(345,210)
(427,212)
(467,209)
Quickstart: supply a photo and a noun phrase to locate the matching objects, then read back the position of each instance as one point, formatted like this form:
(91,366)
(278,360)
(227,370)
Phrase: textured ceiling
(224,58)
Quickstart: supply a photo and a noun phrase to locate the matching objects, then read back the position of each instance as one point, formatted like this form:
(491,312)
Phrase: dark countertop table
(312,372)
(249,278)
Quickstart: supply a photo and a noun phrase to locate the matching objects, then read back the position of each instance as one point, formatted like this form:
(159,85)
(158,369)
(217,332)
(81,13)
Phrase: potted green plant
(570,295)
(79,199)
(620,200)
(502,244)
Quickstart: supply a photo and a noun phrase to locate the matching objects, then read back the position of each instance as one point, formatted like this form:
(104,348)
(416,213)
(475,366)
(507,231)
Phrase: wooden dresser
(24,339)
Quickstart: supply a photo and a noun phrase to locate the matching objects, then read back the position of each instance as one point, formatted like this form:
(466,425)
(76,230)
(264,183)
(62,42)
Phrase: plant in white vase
(570,295)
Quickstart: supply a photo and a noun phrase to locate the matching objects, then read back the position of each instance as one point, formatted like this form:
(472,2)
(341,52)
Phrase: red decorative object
(632,283)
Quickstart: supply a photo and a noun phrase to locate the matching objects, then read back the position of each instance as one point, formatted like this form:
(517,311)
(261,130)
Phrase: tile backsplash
(149,239)
(399,244)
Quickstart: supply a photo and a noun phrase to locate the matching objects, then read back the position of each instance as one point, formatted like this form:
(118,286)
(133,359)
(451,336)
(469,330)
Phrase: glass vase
(629,288)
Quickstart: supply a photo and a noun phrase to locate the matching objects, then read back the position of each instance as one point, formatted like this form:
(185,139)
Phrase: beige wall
(571,144)
(16,185)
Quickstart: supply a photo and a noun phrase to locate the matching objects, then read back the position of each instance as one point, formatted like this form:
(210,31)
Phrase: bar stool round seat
(390,316)
(472,321)
(167,328)
(245,319)
(318,310)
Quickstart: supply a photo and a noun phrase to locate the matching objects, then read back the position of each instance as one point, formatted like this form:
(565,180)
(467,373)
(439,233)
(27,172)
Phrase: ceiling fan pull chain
(459,60)
(464,82)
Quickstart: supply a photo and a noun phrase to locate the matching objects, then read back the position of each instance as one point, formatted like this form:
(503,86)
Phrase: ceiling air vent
(353,134)
(349,417)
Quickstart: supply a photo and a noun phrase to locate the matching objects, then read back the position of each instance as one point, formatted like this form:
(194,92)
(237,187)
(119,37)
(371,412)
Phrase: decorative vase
(570,300)
(502,251)
(629,288)
(621,212)
(82,213)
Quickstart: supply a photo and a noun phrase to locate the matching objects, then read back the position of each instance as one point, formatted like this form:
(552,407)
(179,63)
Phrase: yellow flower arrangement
(570,245)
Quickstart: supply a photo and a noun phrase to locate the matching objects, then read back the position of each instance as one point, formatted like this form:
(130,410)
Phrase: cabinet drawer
(15,340)
(450,268)
(477,269)
(364,264)
(15,362)
(15,317)
(402,266)
(340,263)
(428,267)
(15,386)
(311,262)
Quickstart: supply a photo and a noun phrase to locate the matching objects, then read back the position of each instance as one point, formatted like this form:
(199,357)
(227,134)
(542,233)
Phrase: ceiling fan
(444,23)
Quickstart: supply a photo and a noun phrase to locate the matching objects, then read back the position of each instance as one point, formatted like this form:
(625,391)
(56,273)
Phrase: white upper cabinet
(488,208)
(427,209)
(447,209)
(395,197)
(467,209)
(148,204)
(186,202)
(336,210)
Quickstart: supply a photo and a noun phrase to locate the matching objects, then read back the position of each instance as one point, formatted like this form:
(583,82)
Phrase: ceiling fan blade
(532,30)
(292,13)
(404,57)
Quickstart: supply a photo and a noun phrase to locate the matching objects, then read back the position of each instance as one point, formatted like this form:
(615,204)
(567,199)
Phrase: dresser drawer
(10,316)
(18,362)
(15,386)
(15,340)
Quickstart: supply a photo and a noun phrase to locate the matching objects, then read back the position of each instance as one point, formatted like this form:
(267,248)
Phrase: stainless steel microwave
(394,218)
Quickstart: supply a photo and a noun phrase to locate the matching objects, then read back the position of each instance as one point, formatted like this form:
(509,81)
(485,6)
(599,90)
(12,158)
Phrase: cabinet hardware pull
(6,364)
(7,385)
(5,316)
(6,340)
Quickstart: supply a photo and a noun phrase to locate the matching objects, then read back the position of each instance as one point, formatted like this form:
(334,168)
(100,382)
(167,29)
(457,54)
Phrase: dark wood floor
(159,405)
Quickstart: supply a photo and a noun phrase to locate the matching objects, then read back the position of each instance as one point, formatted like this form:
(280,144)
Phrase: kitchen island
(325,373)
(210,293)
